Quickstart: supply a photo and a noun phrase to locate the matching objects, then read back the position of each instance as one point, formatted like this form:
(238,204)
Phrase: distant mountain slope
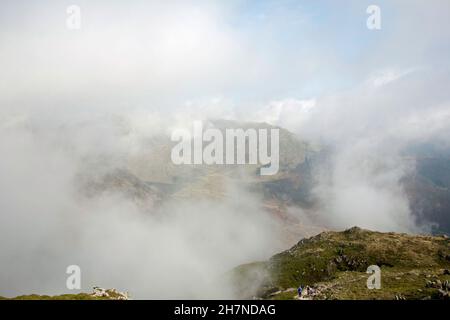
(150,173)
(148,176)
(154,164)
(334,265)
(428,190)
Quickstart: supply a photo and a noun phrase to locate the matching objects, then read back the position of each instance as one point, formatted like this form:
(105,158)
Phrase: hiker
(299,290)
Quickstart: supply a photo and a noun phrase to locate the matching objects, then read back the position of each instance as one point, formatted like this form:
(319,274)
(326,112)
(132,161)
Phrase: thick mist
(365,135)
(179,250)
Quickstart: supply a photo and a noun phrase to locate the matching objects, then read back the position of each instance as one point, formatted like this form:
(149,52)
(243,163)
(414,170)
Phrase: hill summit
(334,266)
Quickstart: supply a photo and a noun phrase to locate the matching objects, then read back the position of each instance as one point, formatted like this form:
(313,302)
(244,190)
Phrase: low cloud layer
(180,250)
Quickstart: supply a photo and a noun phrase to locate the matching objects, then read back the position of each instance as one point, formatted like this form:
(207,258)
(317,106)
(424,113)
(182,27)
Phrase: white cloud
(289,113)
(384,77)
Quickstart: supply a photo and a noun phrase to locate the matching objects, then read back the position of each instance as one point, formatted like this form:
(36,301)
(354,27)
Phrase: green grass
(338,261)
(80,296)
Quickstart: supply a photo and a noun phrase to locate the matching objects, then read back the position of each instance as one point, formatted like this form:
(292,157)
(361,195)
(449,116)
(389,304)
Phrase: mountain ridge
(334,264)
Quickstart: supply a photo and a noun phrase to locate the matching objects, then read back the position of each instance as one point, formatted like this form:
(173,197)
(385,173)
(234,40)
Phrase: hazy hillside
(150,178)
(428,190)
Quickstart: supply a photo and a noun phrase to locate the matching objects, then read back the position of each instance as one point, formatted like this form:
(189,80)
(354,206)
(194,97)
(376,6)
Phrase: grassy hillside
(334,264)
(97,294)
(81,296)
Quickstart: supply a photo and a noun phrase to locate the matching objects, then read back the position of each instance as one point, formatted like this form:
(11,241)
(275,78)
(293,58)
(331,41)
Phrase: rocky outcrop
(111,294)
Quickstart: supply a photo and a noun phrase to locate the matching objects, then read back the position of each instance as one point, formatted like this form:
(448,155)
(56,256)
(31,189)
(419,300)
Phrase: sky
(150,54)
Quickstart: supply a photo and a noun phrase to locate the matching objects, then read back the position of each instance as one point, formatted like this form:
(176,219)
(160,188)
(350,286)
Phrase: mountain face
(333,266)
(150,178)
(428,190)
(155,165)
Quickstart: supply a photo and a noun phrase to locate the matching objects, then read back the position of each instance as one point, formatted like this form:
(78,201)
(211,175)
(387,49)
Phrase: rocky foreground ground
(333,265)
(97,294)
